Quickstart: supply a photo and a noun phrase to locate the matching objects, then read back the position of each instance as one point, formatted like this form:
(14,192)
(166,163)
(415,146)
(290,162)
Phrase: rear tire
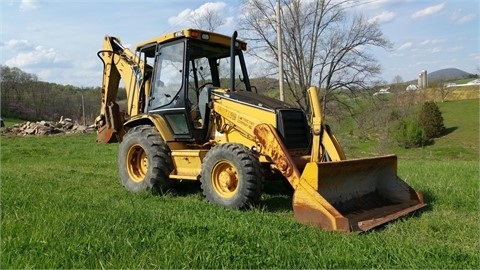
(231,176)
(144,161)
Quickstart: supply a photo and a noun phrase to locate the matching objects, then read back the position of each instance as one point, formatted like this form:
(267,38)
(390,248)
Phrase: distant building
(382,91)
(422,80)
(470,83)
(412,87)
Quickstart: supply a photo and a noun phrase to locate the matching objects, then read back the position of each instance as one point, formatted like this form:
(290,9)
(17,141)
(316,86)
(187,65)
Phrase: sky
(58,40)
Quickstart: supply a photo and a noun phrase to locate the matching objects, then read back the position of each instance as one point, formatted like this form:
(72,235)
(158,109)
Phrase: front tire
(144,161)
(231,176)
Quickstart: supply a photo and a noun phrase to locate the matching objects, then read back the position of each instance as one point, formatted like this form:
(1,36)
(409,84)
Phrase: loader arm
(321,213)
(339,194)
(324,144)
(119,63)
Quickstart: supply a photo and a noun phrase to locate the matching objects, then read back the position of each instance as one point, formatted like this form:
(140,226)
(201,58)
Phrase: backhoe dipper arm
(118,63)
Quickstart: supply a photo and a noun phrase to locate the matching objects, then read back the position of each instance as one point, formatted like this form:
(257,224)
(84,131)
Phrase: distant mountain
(448,74)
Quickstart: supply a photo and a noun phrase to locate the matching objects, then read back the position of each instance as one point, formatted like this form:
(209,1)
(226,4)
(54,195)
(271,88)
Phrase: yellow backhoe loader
(192,114)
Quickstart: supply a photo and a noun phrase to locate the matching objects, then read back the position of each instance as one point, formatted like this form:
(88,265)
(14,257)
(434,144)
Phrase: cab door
(180,89)
(167,94)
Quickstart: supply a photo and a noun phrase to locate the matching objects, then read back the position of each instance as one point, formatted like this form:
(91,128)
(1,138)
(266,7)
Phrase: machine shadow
(185,188)
(277,196)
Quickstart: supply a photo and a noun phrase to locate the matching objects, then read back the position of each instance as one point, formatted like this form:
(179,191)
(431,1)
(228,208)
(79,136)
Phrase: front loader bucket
(353,195)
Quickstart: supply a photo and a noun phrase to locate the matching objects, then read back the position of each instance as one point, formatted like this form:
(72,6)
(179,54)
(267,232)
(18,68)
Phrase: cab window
(167,80)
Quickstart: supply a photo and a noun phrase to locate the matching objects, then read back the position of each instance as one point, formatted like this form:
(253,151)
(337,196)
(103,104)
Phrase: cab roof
(192,34)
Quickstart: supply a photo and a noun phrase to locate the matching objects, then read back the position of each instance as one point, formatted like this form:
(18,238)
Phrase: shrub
(408,134)
(430,120)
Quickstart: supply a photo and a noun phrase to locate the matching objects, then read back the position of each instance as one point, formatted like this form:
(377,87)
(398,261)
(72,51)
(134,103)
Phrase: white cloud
(405,46)
(180,18)
(33,29)
(458,17)
(28,5)
(425,63)
(428,11)
(89,64)
(183,17)
(425,42)
(16,45)
(39,56)
(384,17)
(229,21)
(474,56)
(432,41)
(377,4)
(455,49)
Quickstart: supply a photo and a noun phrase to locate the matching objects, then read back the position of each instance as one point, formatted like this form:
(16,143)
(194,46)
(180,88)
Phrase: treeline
(23,96)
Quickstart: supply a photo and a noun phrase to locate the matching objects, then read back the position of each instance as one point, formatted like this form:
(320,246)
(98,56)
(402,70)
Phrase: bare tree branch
(209,19)
(322,44)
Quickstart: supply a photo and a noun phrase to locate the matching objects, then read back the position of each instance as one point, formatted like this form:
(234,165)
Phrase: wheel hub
(225,180)
(137,163)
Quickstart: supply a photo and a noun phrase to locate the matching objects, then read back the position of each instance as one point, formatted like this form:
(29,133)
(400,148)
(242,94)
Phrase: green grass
(461,140)
(462,81)
(11,121)
(62,206)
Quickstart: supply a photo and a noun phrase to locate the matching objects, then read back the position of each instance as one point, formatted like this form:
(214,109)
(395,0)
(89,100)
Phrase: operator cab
(187,66)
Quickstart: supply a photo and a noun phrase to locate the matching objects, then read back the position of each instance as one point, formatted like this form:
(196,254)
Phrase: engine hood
(254,99)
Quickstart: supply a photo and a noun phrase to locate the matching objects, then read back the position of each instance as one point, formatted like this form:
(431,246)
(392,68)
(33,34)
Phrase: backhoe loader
(192,114)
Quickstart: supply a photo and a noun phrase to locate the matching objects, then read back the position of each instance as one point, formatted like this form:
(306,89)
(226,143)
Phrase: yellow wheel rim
(224,179)
(137,163)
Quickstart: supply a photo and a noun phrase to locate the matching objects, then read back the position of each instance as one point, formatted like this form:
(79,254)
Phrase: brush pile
(41,128)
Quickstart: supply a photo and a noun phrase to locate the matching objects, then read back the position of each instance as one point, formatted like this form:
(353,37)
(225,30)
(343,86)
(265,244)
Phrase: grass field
(62,206)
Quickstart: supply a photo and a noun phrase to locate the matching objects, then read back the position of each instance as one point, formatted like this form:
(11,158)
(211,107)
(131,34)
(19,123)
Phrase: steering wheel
(203,85)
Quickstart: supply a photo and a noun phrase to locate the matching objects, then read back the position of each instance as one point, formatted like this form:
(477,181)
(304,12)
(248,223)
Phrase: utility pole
(280,52)
(83,111)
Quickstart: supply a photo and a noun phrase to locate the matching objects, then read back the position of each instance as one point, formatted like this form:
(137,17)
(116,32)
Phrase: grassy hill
(461,141)
(453,93)
(63,207)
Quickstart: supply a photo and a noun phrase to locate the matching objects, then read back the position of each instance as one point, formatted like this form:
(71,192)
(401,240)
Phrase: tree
(441,85)
(13,80)
(431,120)
(24,96)
(409,134)
(397,84)
(322,45)
(208,17)
(397,79)
(444,90)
